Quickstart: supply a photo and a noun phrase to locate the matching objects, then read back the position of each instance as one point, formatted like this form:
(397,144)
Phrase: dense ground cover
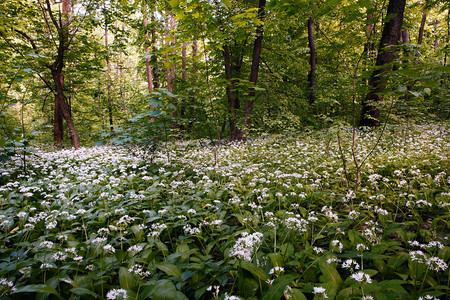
(274,217)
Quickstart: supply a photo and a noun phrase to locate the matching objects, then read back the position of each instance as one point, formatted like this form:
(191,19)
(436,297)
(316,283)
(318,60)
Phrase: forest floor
(281,216)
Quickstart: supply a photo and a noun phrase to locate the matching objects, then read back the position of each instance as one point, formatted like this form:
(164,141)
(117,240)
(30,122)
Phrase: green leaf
(415,94)
(84,292)
(401,89)
(255,270)
(166,290)
(279,285)
(296,294)
(39,288)
(169,268)
(227,3)
(330,274)
(126,280)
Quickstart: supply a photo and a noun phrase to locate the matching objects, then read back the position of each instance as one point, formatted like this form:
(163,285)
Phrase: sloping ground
(273,218)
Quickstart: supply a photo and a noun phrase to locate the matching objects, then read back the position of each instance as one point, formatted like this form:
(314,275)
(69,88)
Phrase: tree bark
(234,131)
(61,108)
(312,61)
(183,62)
(256,57)
(147,59)
(422,28)
(108,92)
(370,115)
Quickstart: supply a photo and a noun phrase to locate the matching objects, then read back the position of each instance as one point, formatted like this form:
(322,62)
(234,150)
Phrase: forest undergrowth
(271,218)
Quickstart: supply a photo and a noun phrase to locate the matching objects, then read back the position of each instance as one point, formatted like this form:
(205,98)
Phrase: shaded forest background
(85,72)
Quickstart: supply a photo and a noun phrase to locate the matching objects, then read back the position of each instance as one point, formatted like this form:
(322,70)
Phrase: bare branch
(33,44)
(52,17)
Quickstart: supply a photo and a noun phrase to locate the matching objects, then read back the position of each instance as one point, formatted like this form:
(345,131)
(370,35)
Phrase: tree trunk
(436,41)
(155,74)
(370,115)
(422,28)
(147,59)
(312,61)
(183,63)
(256,57)
(108,93)
(234,131)
(61,108)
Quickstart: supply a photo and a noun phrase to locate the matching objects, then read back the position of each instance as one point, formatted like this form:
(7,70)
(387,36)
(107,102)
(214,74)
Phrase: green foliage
(272,218)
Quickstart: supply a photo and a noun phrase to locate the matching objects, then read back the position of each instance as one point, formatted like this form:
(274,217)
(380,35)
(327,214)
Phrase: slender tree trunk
(422,28)
(256,57)
(183,62)
(147,59)
(61,108)
(155,73)
(234,131)
(312,61)
(370,115)
(108,92)
(447,39)
(436,42)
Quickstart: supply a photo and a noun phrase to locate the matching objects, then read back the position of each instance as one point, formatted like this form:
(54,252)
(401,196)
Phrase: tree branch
(33,44)
(52,17)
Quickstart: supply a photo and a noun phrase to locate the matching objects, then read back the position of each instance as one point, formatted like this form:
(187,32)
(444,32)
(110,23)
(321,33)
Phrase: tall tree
(370,115)
(312,61)
(256,58)
(108,69)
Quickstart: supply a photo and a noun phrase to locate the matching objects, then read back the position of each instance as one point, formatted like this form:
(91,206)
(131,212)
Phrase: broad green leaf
(83,292)
(296,294)
(330,274)
(169,268)
(255,270)
(166,290)
(126,279)
(39,288)
(278,286)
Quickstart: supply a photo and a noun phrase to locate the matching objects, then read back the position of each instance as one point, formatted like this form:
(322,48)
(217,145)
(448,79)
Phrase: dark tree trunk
(183,63)
(256,57)
(147,60)
(234,130)
(436,41)
(155,74)
(422,28)
(62,110)
(312,61)
(370,115)
(108,92)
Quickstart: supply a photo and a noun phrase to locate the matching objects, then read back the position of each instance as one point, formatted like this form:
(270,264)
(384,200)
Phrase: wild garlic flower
(350,264)
(188,229)
(109,249)
(135,249)
(436,264)
(46,244)
(428,297)
(6,287)
(296,224)
(320,291)
(361,247)
(214,289)
(362,277)
(246,245)
(228,297)
(276,270)
(336,245)
(138,270)
(117,294)
(418,256)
